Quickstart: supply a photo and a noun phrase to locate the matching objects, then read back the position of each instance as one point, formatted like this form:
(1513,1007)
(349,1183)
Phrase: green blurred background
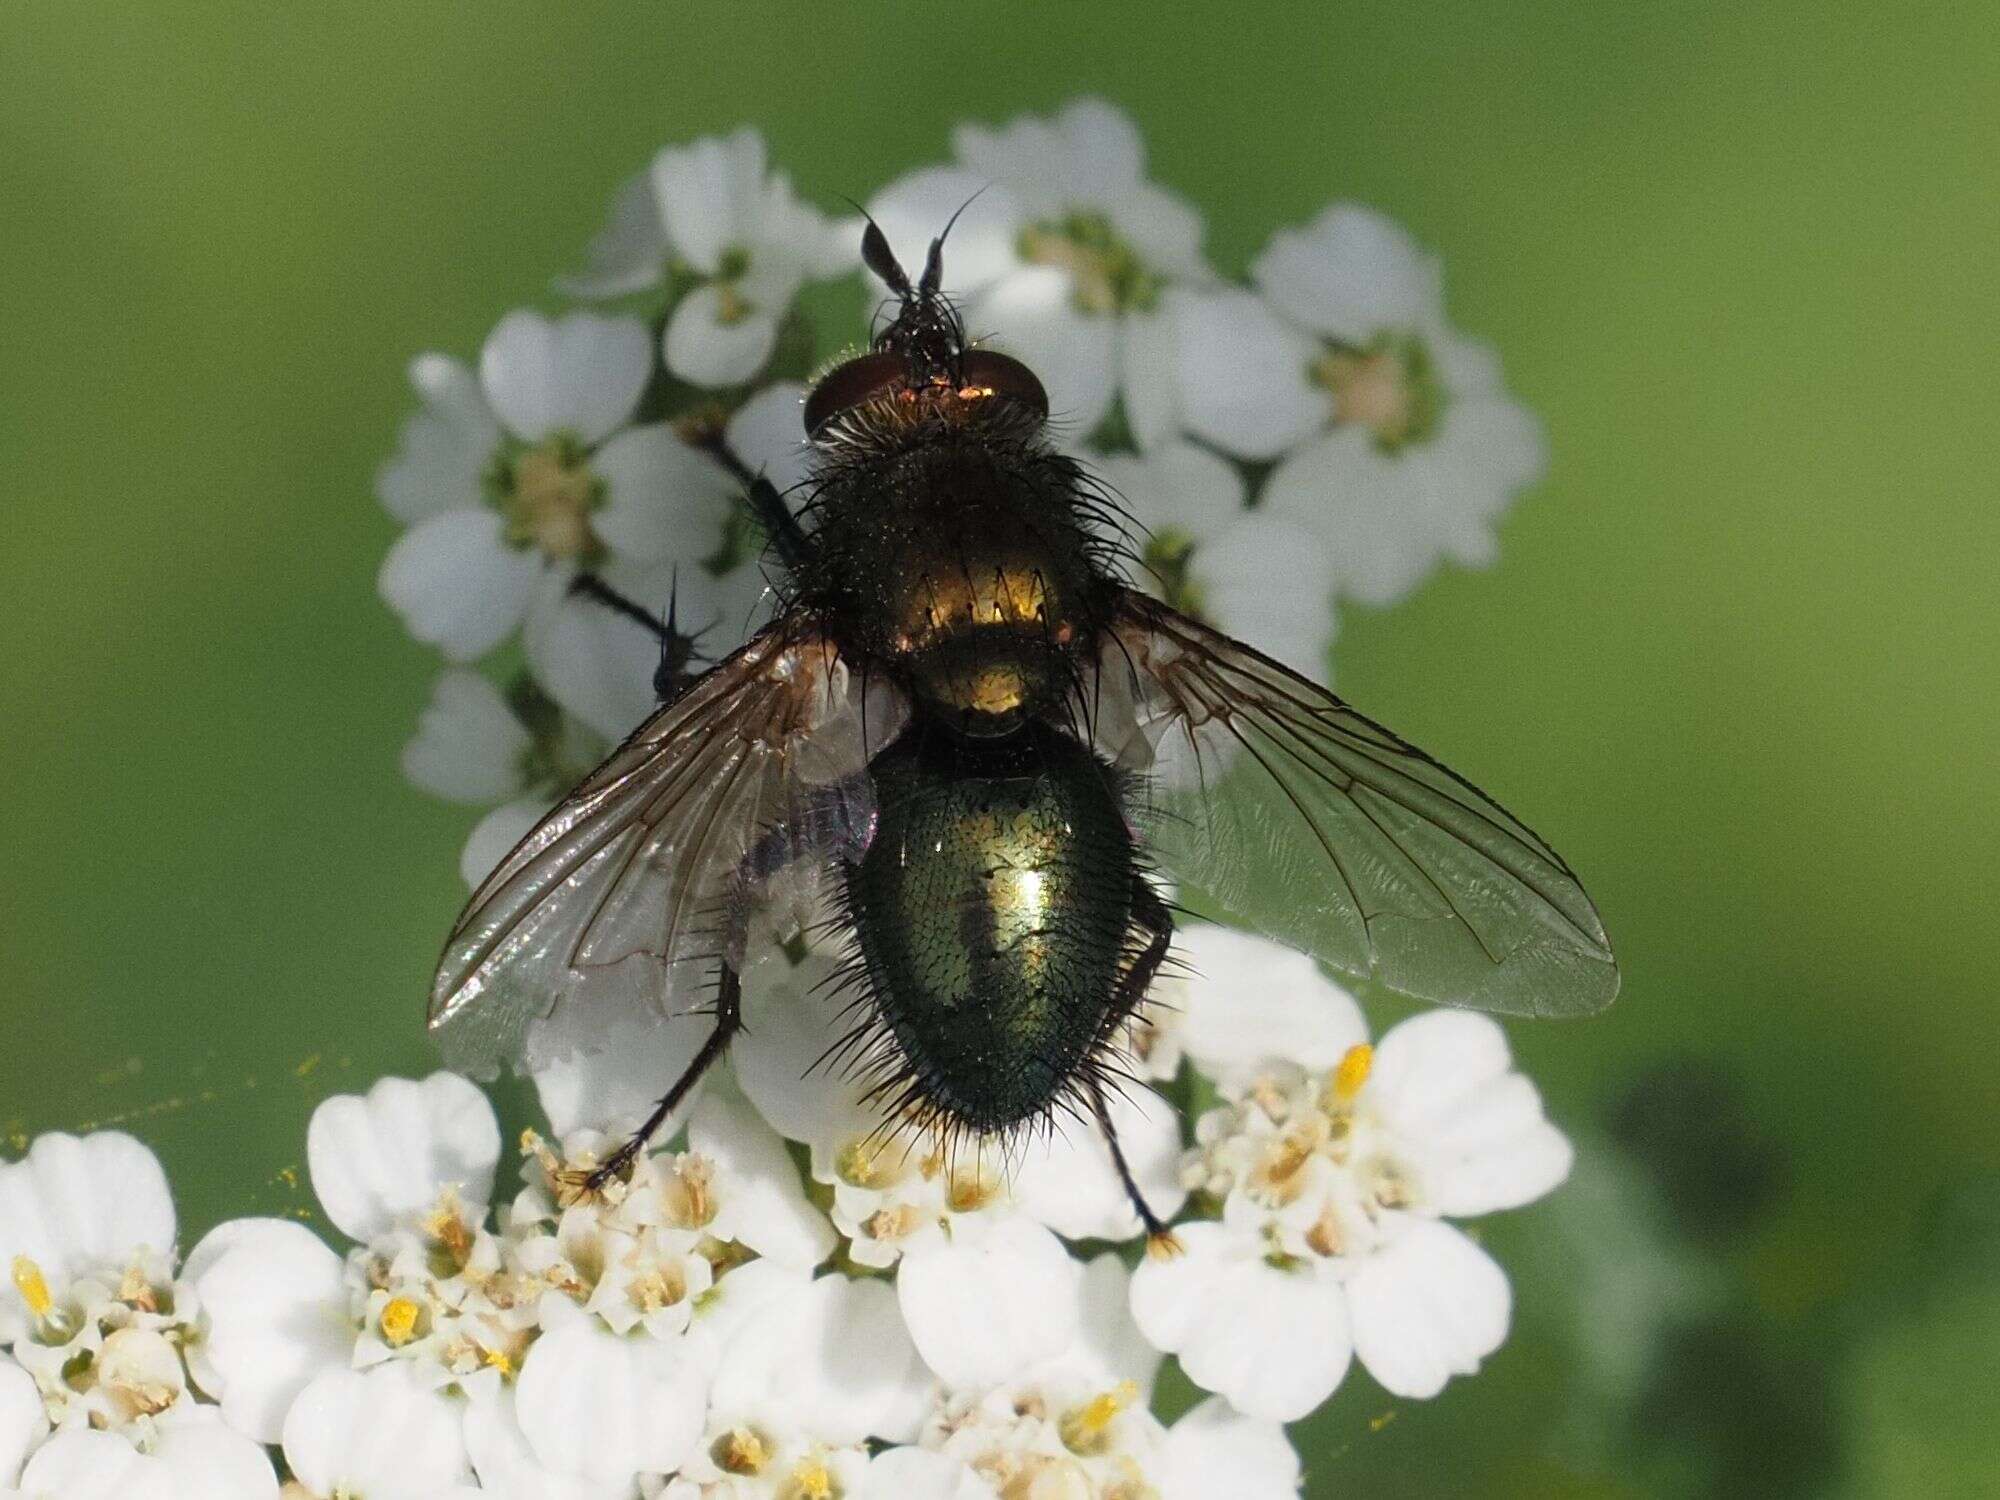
(1738,660)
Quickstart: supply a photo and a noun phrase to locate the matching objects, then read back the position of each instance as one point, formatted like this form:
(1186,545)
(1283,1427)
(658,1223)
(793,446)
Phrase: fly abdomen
(991,912)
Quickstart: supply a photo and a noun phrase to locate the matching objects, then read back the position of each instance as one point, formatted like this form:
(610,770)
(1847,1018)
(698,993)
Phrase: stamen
(1083,1430)
(1352,1073)
(740,1451)
(33,1287)
(399,1321)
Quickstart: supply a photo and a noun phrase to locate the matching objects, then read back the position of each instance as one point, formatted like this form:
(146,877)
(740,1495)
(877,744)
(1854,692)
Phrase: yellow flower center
(1106,274)
(1388,387)
(811,1480)
(399,1321)
(547,494)
(740,1451)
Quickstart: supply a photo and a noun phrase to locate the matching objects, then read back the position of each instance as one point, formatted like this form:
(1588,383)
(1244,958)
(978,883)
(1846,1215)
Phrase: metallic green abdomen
(991,910)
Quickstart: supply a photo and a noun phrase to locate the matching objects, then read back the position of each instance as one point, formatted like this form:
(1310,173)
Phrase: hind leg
(1151,913)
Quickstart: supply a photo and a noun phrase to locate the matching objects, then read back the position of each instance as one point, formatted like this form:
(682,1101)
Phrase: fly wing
(618,897)
(1335,835)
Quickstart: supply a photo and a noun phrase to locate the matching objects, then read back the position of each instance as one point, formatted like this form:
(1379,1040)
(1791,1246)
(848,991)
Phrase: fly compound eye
(999,375)
(853,384)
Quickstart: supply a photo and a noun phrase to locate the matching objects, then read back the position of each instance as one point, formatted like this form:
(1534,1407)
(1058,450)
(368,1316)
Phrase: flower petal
(786,1030)
(1216,1450)
(1472,1128)
(493,835)
(468,747)
(599,665)
(441,461)
(768,433)
(983,1307)
(1108,1348)
(1274,1342)
(767,1206)
(613,1089)
(713,344)
(456,583)
(832,1361)
(1428,1305)
(506,1464)
(380,1434)
(380,1158)
(1248,1001)
(1381,515)
(1242,374)
(629,254)
(708,192)
(23,1421)
(77,1200)
(1266,580)
(274,1316)
(1149,375)
(594,1404)
(1349,274)
(190,1461)
(920,1474)
(580,374)
(665,500)
(1177,487)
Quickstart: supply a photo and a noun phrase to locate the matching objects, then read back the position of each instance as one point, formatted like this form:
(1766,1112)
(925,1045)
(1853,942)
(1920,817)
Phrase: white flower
(374,1435)
(1334,1185)
(714,215)
(473,745)
(513,479)
(94,1311)
(803,1385)
(1077,1425)
(197,1459)
(1063,257)
(74,1207)
(1258,577)
(406,1169)
(1403,445)
(983,1281)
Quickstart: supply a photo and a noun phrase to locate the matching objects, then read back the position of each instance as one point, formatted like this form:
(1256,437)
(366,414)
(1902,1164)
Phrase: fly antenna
(933,276)
(879,258)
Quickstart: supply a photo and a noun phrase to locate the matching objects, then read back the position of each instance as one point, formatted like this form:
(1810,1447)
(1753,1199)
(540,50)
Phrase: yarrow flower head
(1330,1189)
(97,1318)
(1398,444)
(800,1291)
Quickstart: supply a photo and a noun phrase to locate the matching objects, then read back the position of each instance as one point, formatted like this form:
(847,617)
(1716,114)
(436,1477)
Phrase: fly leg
(677,653)
(1151,913)
(728,1013)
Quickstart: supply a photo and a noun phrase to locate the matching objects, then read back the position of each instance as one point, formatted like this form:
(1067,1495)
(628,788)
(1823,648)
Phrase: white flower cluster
(1382,440)
(851,1316)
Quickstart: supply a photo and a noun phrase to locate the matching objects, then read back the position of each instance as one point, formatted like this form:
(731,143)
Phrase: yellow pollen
(497,1358)
(1352,1072)
(1084,1428)
(399,1320)
(970,1191)
(740,1451)
(34,1290)
(811,1481)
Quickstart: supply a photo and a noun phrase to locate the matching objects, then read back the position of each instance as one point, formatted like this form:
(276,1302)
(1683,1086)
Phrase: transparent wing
(618,898)
(1335,835)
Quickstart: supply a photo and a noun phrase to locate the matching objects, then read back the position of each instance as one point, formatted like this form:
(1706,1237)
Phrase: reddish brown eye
(849,385)
(986,370)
